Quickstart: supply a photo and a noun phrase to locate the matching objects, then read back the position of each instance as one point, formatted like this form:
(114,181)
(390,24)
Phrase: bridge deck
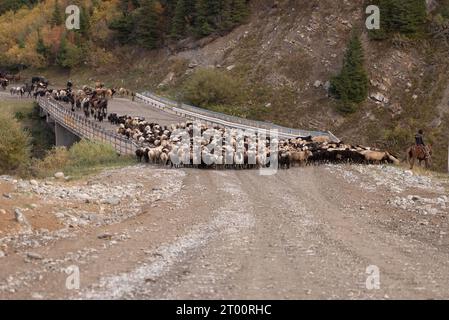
(123,106)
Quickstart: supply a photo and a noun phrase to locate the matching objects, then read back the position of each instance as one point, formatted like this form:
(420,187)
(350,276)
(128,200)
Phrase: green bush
(208,87)
(346,107)
(398,138)
(82,158)
(55,160)
(14,145)
(89,153)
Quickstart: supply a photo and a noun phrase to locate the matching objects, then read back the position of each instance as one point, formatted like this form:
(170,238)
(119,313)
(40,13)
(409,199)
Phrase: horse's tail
(409,154)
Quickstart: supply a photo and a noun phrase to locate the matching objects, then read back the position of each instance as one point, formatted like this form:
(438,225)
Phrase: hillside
(275,64)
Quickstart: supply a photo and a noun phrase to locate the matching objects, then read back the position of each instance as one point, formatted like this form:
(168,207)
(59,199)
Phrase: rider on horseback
(419,138)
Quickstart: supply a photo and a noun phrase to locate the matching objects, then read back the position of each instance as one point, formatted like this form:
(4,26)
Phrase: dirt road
(174,234)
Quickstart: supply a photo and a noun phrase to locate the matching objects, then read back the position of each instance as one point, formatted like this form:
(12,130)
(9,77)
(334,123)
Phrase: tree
(56,18)
(407,17)
(351,85)
(62,52)
(179,20)
(412,15)
(239,11)
(41,48)
(202,25)
(226,21)
(124,27)
(14,145)
(84,22)
(6,5)
(147,22)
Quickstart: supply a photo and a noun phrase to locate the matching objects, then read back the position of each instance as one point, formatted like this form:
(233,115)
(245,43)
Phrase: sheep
(284,159)
(375,156)
(164,158)
(218,148)
(299,157)
(321,139)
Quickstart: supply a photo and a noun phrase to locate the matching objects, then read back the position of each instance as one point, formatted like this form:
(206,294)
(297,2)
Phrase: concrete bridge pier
(64,137)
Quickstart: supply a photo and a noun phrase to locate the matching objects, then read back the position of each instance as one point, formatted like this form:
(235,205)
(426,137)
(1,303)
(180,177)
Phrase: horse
(19,91)
(27,88)
(4,83)
(13,77)
(419,153)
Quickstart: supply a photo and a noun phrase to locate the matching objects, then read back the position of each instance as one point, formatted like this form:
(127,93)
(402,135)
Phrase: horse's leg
(412,162)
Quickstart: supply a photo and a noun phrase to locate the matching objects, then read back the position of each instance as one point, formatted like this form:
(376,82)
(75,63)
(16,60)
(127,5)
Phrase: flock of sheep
(196,145)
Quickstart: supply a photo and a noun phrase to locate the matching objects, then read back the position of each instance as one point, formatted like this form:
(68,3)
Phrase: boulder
(20,218)
(34,256)
(112,201)
(168,79)
(59,175)
(379,97)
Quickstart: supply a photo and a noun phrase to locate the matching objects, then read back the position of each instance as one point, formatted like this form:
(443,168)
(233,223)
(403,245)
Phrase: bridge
(70,127)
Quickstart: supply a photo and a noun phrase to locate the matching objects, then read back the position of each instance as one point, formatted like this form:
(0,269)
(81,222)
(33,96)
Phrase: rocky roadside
(34,213)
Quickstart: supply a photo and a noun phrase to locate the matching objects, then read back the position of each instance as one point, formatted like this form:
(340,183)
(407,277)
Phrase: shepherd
(420,151)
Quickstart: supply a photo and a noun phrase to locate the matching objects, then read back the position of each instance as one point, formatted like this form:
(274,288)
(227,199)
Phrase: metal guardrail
(216,118)
(84,128)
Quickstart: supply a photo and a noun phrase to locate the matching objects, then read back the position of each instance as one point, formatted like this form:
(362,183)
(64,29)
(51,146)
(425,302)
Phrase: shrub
(398,139)
(208,87)
(14,145)
(90,153)
(55,159)
(346,107)
(83,157)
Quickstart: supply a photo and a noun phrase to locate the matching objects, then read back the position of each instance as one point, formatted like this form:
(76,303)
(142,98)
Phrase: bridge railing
(85,128)
(216,118)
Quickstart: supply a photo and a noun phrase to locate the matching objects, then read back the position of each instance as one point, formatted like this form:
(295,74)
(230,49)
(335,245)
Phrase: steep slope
(283,57)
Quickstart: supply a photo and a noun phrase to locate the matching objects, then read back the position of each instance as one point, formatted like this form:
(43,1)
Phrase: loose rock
(34,256)
(20,218)
(59,175)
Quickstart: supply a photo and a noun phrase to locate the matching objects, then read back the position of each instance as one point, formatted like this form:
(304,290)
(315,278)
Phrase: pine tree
(84,22)
(202,24)
(124,27)
(179,20)
(62,52)
(147,20)
(351,85)
(190,13)
(240,11)
(41,48)
(226,19)
(56,19)
(406,16)
(413,15)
